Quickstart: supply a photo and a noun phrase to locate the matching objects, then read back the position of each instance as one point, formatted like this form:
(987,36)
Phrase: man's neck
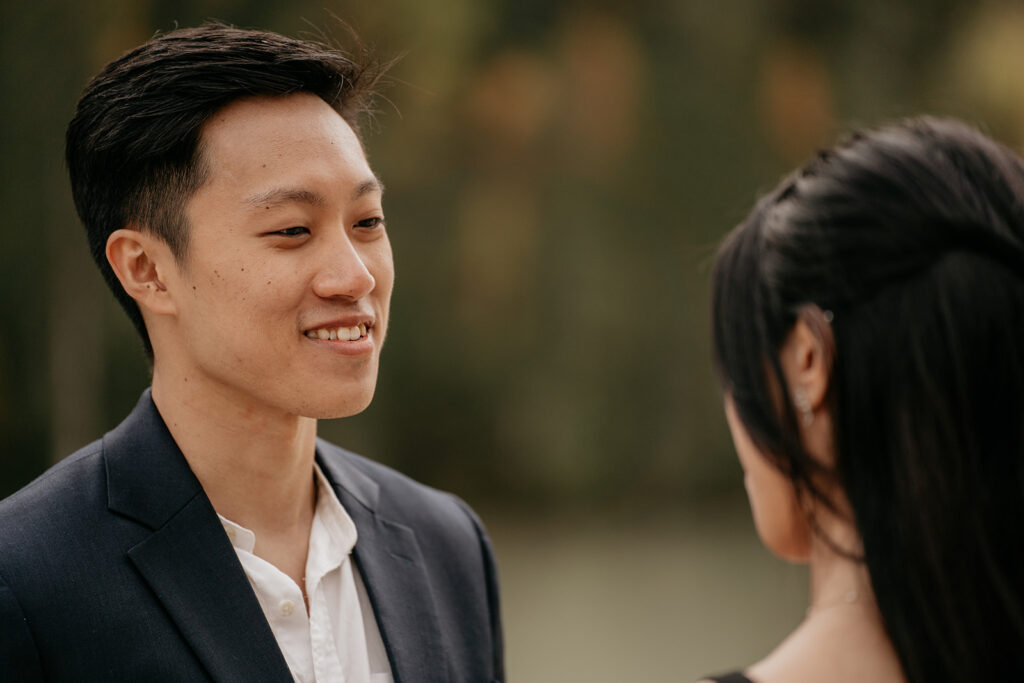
(254,463)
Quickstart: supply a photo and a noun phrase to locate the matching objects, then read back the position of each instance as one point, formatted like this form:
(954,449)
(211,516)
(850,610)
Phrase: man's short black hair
(133,147)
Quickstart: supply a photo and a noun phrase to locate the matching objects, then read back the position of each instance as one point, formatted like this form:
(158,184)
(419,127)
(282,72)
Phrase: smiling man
(212,536)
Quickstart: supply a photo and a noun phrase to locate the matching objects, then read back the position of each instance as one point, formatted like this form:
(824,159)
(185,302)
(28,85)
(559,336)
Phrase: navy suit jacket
(115,567)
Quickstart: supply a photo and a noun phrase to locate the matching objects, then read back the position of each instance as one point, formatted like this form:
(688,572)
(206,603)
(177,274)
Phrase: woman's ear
(142,262)
(806,359)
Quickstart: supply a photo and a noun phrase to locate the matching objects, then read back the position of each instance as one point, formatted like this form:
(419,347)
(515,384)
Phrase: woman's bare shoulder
(834,649)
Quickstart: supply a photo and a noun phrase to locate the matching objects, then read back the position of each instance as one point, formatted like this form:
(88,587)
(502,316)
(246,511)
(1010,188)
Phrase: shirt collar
(240,537)
(333,535)
(331,538)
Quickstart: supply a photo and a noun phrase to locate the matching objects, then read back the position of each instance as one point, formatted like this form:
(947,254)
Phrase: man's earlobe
(141,261)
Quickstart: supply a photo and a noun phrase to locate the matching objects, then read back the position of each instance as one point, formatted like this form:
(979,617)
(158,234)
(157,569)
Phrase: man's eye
(375,222)
(293,232)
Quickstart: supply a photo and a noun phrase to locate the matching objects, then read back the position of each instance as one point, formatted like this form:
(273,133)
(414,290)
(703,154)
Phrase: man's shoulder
(429,542)
(379,473)
(53,517)
(74,478)
(397,496)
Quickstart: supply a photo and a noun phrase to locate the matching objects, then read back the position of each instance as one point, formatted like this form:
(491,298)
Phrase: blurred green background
(558,176)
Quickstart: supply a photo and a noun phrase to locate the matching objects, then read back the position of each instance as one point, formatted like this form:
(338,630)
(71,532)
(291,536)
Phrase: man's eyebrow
(283,195)
(368,186)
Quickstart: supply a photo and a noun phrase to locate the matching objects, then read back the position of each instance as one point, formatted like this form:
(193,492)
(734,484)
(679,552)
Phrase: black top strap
(735,677)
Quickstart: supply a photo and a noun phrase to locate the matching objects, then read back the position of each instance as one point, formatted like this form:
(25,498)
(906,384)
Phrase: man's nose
(344,272)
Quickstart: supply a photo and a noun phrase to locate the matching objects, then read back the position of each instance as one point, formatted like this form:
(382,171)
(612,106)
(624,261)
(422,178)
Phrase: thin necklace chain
(850,597)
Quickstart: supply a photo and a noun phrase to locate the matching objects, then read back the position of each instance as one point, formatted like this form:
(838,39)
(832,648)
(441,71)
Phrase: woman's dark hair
(912,236)
(133,147)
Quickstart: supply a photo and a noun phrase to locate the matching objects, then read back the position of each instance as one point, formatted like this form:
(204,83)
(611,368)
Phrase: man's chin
(346,406)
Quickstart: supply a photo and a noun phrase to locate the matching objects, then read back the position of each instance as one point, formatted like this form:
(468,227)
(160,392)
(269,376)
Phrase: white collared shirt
(338,641)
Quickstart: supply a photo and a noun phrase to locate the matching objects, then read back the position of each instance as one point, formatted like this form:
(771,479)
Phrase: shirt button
(287,607)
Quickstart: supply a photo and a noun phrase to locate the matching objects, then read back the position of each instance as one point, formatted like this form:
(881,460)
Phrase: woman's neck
(842,638)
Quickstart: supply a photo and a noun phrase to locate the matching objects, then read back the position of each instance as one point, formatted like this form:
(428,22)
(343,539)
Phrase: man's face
(285,290)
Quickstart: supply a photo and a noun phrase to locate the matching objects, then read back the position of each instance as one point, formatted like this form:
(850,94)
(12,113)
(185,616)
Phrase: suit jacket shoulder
(114,567)
(412,535)
(27,523)
(399,497)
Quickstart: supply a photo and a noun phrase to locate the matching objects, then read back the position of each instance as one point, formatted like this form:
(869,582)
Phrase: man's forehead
(272,143)
(264,119)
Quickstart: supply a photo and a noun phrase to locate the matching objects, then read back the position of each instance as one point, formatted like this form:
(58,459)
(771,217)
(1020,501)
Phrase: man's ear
(142,262)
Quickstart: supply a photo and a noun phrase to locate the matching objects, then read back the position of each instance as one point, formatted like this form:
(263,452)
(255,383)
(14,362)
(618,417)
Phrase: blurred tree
(558,174)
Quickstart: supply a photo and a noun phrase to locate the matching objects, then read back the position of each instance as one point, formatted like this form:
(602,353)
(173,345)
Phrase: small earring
(804,406)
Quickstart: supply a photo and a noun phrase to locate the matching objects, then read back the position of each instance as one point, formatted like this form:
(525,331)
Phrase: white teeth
(340,334)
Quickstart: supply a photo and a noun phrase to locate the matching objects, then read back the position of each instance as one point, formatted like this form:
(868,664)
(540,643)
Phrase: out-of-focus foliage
(558,175)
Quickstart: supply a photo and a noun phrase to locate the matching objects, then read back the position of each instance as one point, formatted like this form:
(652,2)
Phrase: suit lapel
(392,568)
(194,572)
(188,561)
